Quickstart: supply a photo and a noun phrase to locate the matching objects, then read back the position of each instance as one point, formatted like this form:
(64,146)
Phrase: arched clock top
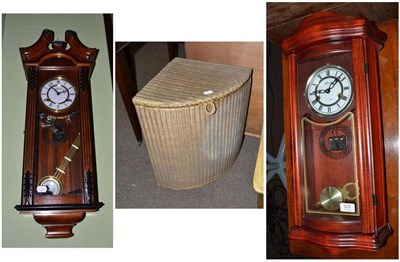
(79,50)
(69,53)
(39,48)
(327,26)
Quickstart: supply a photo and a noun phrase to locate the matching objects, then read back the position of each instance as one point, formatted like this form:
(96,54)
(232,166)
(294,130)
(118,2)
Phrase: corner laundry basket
(192,116)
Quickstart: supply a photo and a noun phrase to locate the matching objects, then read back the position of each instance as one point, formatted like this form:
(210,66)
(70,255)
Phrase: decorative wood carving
(27,188)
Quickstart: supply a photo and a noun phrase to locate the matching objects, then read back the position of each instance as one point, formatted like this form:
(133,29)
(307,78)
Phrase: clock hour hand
(328,90)
(318,92)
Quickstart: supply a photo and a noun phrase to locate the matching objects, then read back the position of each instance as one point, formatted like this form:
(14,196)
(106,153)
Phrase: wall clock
(333,126)
(59,179)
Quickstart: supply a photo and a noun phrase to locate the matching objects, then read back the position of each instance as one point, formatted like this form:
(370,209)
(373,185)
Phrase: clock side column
(377,136)
(30,138)
(88,149)
(292,141)
(363,139)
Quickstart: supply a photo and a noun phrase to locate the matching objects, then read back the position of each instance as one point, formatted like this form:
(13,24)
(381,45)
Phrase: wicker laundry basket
(192,116)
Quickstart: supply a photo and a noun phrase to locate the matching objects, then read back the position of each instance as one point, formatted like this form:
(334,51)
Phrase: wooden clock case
(42,61)
(353,42)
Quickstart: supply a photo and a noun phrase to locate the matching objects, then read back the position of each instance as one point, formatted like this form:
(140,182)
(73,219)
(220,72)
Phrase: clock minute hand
(55,90)
(331,85)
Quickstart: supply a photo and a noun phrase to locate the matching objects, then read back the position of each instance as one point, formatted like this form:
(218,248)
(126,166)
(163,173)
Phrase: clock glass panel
(326,110)
(329,167)
(59,171)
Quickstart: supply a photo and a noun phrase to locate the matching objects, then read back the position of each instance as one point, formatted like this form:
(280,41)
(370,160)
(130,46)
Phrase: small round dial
(58,94)
(329,91)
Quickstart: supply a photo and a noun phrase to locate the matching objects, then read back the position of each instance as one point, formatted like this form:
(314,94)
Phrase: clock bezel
(307,87)
(59,78)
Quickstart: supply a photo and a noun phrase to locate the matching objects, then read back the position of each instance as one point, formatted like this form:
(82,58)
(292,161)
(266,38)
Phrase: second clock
(333,127)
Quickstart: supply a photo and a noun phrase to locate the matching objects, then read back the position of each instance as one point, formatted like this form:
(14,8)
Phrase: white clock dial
(58,94)
(329,91)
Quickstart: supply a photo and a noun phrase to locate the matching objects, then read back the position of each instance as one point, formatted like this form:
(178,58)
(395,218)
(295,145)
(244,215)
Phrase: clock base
(59,225)
(59,220)
(312,243)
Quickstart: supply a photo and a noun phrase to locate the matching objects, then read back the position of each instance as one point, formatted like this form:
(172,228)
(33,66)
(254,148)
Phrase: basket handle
(210,108)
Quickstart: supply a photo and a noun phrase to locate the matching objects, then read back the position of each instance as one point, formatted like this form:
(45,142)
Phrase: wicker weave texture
(194,144)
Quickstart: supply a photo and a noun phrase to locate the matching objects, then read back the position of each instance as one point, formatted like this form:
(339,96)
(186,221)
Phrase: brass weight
(331,196)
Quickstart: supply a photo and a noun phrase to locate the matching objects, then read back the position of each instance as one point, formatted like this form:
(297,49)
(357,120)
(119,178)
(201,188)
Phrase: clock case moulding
(324,36)
(42,61)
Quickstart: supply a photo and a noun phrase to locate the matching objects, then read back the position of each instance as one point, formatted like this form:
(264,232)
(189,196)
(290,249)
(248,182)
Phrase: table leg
(126,81)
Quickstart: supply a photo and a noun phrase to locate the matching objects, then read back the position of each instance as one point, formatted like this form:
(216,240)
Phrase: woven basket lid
(185,82)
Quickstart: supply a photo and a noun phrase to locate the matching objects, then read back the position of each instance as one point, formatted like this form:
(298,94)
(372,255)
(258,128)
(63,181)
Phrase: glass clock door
(329,167)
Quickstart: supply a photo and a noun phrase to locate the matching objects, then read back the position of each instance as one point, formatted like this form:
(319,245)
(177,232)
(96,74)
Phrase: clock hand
(328,90)
(55,90)
(64,91)
(59,92)
(318,92)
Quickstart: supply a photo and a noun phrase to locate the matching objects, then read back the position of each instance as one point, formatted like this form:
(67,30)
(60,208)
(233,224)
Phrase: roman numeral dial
(58,94)
(329,91)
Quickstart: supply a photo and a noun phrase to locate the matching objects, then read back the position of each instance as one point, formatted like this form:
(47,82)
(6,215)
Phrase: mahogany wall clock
(59,182)
(333,126)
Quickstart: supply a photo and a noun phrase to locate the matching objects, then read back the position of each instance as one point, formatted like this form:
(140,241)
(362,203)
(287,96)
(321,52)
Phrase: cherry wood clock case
(333,127)
(59,183)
